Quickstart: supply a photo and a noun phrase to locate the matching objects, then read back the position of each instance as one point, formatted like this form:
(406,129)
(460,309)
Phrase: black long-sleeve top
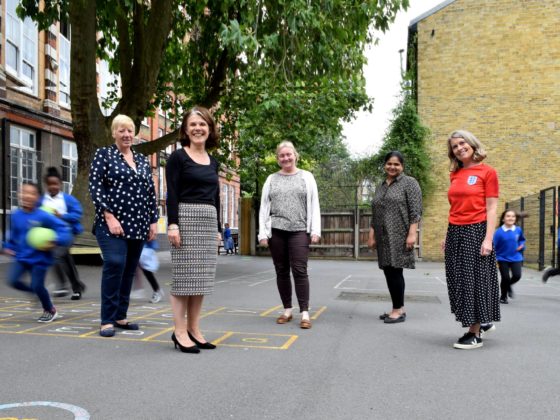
(191,182)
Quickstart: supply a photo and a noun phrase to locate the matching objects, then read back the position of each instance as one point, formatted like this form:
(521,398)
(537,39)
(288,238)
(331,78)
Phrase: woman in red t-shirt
(470,261)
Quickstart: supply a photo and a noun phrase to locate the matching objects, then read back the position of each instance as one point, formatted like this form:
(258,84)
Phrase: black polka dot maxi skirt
(472,280)
(194,263)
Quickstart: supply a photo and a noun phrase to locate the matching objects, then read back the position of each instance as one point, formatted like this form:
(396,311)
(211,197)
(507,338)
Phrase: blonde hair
(479,153)
(122,120)
(288,144)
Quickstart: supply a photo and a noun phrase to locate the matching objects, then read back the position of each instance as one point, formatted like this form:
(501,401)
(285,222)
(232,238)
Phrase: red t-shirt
(468,192)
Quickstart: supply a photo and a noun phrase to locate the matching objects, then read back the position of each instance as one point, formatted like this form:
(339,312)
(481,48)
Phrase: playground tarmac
(348,366)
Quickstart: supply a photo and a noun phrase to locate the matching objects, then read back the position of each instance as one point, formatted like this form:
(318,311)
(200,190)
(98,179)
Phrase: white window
(225,203)
(233,201)
(69,165)
(161,183)
(23,160)
(64,71)
(21,47)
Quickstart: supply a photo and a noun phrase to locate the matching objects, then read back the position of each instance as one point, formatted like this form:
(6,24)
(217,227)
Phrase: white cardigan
(313,209)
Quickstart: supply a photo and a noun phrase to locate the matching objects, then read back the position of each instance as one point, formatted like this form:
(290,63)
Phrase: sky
(364,135)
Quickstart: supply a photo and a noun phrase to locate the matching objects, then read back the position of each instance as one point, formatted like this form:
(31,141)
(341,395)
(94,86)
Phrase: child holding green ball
(30,244)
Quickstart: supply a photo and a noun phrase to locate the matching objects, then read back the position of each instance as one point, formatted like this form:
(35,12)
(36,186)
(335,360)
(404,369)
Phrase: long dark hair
(394,153)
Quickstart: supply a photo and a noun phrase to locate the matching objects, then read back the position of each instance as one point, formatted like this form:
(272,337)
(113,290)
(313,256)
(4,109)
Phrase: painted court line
(343,280)
(269,311)
(261,282)
(244,276)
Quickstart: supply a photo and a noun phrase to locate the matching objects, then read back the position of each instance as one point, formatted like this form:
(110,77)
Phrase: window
(21,47)
(64,67)
(24,160)
(69,165)
(225,202)
(233,221)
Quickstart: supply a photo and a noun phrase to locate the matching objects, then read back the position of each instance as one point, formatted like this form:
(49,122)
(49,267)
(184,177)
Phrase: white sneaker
(157,296)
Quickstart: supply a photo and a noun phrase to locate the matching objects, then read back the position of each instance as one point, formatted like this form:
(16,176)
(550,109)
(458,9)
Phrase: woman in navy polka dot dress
(122,189)
(470,261)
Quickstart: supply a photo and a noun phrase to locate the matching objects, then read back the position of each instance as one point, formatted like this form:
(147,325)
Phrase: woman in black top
(122,189)
(193,208)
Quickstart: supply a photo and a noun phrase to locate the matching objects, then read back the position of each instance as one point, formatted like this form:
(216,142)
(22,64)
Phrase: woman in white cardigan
(289,219)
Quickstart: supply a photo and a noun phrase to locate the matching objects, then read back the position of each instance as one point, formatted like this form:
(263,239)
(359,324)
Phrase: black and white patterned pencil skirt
(194,263)
(472,280)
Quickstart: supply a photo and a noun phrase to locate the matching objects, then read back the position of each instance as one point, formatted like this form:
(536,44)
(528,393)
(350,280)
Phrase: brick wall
(491,67)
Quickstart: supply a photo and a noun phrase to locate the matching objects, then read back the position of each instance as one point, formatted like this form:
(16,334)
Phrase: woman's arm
(315,211)
(491,211)
(264,213)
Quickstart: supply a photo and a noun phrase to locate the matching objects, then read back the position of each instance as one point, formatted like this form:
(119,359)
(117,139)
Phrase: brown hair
(213,134)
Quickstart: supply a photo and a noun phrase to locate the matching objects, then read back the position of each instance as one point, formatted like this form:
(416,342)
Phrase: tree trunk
(89,124)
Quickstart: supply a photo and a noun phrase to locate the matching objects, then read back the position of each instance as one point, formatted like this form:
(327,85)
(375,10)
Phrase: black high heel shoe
(206,346)
(191,349)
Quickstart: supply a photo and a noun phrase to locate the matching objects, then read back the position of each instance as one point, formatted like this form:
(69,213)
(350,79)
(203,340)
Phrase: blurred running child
(228,240)
(67,208)
(509,244)
(36,259)
(149,264)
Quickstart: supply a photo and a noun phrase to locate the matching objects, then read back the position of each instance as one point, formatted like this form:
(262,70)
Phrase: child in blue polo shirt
(509,244)
(27,258)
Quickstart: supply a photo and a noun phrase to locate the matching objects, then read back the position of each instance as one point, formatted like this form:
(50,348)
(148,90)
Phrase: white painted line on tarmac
(342,281)
(260,282)
(244,276)
(440,280)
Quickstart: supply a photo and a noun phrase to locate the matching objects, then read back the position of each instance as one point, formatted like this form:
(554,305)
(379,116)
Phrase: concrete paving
(348,366)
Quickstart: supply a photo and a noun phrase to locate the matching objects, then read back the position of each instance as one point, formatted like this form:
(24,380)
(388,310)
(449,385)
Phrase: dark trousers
(64,266)
(151,279)
(38,273)
(120,259)
(507,280)
(395,283)
(290,251)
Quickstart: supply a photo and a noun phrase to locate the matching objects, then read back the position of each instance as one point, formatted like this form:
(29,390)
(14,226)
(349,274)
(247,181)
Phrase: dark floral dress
(394,208)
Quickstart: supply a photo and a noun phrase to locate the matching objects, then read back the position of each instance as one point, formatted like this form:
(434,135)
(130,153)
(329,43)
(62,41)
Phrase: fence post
(542,227)
(357,233)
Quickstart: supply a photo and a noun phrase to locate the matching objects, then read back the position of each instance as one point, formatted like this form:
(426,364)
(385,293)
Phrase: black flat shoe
(205,346)
(128,326)
(191,349)
(390,320)
(386,315)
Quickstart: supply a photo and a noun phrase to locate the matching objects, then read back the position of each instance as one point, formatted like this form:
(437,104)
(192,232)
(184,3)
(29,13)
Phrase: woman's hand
(113,224)
(264,242)
(520,247)
(153,232)
(411,240)
(315,239)
(486,247)
(371,239)
(443,246)
(174,237)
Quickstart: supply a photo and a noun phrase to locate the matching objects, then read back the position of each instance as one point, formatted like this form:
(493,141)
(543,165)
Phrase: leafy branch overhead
(270,69)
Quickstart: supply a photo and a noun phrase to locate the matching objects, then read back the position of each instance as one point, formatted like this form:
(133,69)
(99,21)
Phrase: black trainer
(468,341)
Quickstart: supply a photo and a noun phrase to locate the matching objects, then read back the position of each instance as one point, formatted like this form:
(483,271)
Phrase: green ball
(40,238)
(48,209)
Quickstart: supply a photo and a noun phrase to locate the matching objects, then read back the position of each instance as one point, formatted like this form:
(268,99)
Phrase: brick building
(491,67)
(35,119)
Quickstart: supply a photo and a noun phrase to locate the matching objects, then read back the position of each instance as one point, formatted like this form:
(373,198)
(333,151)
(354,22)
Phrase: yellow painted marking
(59,321)
(215,311)
(319,312)
(167,330)
(85,250)
(288,343)
(6,308)
(10,326)
(227,335)
(89,333)
(255,340)
(269,311)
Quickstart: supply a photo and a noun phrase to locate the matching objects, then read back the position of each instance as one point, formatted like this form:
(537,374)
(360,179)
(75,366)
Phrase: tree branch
(125,53)
(155,146)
